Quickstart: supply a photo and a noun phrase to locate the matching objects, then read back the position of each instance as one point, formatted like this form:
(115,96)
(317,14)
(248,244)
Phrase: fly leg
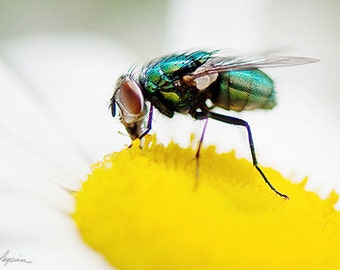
(239,122)
(149,124)
(197,156)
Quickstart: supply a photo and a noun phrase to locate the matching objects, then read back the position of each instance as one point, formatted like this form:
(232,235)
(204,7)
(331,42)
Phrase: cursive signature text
(6,258)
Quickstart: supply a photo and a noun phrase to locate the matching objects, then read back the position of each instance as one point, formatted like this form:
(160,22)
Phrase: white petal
(54,124)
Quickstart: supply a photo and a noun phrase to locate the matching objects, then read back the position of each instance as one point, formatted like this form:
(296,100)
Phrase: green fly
(185,82)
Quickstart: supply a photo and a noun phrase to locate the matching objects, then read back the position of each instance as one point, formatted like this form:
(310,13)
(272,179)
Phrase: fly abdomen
(244,90)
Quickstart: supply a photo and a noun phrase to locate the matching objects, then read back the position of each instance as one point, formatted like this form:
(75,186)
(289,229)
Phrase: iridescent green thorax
(244,90)
(162,72)
(160,79)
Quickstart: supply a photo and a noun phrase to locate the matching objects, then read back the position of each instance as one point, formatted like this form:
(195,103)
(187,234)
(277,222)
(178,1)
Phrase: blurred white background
(59,61)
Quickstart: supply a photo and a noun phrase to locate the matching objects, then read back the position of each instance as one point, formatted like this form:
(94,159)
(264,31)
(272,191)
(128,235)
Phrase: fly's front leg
(149,124)
(240,122)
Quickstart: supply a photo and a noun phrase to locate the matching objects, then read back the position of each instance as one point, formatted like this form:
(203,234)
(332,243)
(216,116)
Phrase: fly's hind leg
(240,122)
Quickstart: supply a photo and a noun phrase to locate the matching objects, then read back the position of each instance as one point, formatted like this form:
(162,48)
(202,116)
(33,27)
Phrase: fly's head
(128,96)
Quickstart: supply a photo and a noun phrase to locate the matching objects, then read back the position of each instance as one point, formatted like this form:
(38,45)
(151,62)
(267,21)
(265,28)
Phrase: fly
(183,83)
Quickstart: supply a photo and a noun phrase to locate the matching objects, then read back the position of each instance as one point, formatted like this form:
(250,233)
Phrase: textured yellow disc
(139,209)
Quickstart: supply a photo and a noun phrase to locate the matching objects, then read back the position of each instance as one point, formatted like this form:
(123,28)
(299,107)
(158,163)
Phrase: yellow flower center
(140,210)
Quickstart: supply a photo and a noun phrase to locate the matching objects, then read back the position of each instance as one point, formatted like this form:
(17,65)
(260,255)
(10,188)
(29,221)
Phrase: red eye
(131,97)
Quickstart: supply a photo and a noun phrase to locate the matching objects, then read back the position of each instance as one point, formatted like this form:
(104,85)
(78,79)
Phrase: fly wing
(218,64)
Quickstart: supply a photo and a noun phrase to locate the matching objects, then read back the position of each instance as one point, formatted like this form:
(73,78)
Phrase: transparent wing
(219,64)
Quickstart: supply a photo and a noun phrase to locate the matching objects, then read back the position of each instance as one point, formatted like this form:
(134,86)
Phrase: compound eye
(131,97)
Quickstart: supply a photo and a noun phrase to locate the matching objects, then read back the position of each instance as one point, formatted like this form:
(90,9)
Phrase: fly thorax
(171,97)
(179,101)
